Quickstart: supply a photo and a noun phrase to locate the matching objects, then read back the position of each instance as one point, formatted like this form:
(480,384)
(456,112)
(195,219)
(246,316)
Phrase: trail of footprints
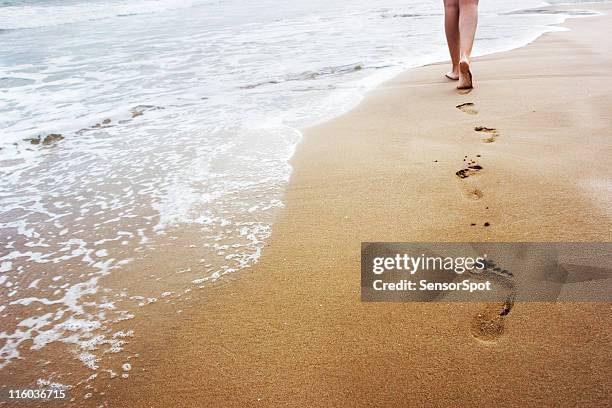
(489,324)
(471,166)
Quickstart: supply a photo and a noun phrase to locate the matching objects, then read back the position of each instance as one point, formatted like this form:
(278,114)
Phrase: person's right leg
(451,28)
(468,20)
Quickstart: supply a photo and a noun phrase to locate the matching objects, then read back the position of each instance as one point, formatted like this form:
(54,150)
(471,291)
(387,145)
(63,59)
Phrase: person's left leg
(451,28)
(468,20)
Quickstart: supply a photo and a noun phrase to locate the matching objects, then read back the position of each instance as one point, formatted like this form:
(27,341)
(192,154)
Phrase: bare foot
(465,75)
(453,74)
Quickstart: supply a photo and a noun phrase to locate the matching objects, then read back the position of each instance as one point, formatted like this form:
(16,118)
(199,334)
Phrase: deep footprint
(488,326)
(492,132)
(469,171)
(468,108)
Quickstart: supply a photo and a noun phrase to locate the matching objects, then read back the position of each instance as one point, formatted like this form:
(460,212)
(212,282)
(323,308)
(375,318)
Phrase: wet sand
(292,330)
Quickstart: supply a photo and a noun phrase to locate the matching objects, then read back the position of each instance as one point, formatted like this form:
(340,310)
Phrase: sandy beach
(291,331)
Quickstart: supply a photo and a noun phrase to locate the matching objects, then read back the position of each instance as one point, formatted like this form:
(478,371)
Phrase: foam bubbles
(43,15)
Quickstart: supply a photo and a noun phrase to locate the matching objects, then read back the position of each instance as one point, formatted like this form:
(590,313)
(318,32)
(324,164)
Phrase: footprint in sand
(468,189)
(468,108)
(491,132)
(489,324)
(471,169)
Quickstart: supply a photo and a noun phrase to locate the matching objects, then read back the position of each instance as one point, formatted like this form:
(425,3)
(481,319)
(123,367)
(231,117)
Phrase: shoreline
(291,331)
(403,69)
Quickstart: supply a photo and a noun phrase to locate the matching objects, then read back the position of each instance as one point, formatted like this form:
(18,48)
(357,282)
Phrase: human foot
(453,74)
(465,75)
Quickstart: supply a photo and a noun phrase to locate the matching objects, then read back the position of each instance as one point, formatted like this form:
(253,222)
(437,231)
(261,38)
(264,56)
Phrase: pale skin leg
(451,28)
(460,21)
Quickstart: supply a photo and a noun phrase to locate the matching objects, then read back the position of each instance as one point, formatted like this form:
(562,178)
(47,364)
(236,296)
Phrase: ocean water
(174,113)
